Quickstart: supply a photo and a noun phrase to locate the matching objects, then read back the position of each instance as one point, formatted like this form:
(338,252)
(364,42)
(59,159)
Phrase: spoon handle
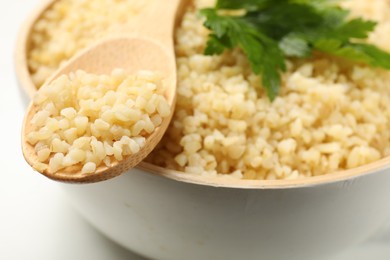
(157,20)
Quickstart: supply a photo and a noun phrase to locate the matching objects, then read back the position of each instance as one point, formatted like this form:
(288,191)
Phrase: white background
(36,221)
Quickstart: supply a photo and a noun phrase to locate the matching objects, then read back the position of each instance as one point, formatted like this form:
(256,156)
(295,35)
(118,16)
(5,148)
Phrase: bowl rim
(25,81)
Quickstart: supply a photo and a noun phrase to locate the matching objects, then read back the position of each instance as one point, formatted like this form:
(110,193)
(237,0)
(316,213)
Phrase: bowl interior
(24,77)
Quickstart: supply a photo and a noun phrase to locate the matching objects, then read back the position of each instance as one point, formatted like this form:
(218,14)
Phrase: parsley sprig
(269,31)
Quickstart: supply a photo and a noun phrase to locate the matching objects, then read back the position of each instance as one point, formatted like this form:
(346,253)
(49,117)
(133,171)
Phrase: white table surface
(36,221)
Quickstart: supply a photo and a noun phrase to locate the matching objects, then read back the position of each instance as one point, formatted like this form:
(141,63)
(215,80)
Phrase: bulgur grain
(329,116)
(71,25)
(90,129)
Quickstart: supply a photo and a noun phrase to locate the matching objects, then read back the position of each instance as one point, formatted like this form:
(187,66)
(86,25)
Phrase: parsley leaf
(247,5)
(263,53)
(294,46)
(269,31)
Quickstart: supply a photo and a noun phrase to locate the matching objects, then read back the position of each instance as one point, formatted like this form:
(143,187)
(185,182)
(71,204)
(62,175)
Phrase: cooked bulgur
(87,120)
(71,25)
(329,116)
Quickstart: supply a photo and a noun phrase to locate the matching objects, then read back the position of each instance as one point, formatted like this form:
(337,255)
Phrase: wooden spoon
(149,46)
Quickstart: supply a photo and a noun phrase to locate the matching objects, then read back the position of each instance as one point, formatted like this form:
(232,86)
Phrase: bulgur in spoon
(106,109)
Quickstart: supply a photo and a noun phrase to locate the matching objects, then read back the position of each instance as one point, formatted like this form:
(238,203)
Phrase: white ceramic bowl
(164,214)
(166,219)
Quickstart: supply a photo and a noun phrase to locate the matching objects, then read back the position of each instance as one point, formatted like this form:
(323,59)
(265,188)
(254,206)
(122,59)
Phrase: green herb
(269,31)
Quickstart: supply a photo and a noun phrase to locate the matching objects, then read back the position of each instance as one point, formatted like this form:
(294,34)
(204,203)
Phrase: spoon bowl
(131,54)
(144,44)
